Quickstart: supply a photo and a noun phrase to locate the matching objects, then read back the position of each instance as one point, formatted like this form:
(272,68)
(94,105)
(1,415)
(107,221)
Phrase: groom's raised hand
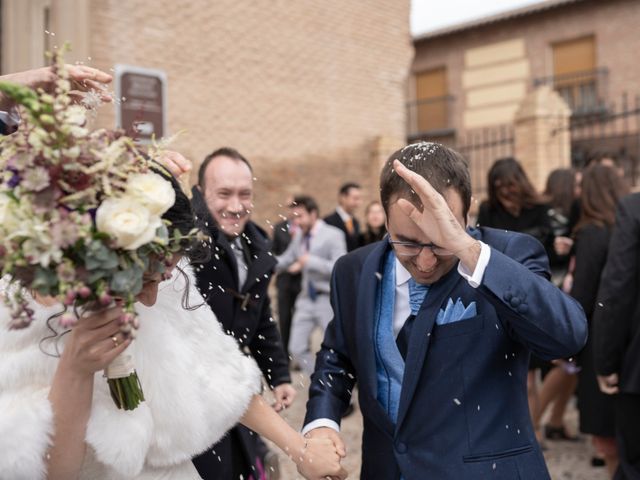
(436,218)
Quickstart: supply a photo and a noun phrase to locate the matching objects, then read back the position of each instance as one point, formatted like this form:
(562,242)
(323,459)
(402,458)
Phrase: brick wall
(303,88)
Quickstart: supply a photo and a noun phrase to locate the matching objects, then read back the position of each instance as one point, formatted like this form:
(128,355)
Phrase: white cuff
(320,422)
(475,278)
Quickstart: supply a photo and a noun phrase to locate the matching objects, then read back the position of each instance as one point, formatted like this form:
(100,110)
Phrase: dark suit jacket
(250,324)
(463,410)
(285,281)
(218,279)
(353,241)
(617,316)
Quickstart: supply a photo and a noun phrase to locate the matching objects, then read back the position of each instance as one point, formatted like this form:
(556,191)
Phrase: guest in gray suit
(313,251)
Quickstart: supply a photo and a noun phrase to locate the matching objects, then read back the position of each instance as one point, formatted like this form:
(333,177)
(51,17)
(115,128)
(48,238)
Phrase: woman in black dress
(374,229)
(514,204)
(559,384)
(602,188)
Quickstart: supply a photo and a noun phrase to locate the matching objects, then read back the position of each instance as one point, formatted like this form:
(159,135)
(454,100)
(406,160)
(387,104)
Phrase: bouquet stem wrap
(123,381)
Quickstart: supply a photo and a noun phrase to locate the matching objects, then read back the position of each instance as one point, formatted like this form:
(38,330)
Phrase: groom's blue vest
(389,362)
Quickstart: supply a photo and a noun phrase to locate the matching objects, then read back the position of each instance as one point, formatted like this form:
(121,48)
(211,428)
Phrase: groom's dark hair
(443,167)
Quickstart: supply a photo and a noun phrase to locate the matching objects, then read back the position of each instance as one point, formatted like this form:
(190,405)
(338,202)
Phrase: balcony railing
(430,116)
(585,92)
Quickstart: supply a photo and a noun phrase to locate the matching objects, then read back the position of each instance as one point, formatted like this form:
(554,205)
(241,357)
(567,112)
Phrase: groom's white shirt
(402,309)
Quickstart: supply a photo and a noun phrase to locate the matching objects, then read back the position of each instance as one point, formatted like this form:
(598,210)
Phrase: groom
(436,324)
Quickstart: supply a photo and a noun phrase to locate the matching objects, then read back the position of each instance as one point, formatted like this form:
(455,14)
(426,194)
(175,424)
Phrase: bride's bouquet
(80,217)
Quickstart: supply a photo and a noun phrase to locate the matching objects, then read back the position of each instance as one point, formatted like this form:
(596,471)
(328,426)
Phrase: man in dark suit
(436,323)
(349,200)
(617,333)
(287,284)
(235,284)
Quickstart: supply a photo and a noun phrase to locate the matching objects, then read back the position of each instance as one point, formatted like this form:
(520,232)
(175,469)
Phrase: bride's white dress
(196,382)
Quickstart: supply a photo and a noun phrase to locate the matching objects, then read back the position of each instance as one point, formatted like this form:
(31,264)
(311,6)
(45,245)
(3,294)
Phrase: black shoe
(350,409)
(597,462)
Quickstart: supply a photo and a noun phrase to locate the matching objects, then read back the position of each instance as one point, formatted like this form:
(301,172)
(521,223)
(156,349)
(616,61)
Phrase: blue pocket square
(454,312)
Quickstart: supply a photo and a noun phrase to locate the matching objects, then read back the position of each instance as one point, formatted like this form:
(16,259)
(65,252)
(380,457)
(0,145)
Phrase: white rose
(128,221)
(153,191)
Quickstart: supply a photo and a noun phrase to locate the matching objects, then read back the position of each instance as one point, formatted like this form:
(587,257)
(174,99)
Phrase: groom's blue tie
(417,293)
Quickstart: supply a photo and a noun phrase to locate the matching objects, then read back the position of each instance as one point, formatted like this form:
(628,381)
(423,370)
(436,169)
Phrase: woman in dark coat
(515,205)
(559,384)
(374,228)
(602,188)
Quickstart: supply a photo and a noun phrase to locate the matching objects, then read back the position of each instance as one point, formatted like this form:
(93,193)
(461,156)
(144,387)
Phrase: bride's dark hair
(183,219)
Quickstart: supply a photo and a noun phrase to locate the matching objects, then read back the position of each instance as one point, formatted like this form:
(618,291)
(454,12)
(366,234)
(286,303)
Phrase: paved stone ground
(566,460)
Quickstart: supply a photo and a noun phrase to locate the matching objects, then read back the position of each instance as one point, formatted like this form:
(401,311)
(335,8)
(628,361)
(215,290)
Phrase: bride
(58,421)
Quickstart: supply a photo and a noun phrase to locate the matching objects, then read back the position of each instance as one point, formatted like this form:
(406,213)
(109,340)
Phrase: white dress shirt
(402,309)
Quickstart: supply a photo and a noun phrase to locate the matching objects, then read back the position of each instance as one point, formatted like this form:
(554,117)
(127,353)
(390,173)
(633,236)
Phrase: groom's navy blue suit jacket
(463,409)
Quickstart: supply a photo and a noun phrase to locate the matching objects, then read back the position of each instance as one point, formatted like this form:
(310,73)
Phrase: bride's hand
(94,342)
(320,460)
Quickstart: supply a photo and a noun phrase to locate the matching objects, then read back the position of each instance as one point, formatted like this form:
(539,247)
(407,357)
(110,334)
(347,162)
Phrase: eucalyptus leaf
(127,281)
(44,281)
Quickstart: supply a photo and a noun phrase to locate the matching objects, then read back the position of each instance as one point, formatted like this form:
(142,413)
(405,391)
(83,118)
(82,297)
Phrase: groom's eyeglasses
(413,249)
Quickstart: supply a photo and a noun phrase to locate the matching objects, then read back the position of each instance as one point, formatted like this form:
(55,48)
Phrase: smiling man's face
(228,193)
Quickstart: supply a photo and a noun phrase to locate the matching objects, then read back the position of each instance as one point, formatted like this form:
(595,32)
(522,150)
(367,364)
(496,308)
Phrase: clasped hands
(322,454)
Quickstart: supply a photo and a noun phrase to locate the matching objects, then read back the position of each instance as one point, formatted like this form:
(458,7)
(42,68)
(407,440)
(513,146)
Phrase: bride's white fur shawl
(196,382)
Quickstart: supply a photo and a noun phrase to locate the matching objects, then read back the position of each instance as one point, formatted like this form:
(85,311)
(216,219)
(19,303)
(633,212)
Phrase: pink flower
(70,298)
(68,320)
(84,291)
(105,299)
(64,233)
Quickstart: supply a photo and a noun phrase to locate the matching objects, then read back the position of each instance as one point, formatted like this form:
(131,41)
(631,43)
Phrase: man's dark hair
(443,167)
(345,188)
(306,202)
(221,152)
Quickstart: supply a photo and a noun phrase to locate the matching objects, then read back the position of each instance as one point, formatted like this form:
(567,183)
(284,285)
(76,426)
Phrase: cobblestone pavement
(566,460)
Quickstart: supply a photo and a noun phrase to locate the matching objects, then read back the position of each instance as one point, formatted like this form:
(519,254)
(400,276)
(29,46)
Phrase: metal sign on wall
(142,99)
